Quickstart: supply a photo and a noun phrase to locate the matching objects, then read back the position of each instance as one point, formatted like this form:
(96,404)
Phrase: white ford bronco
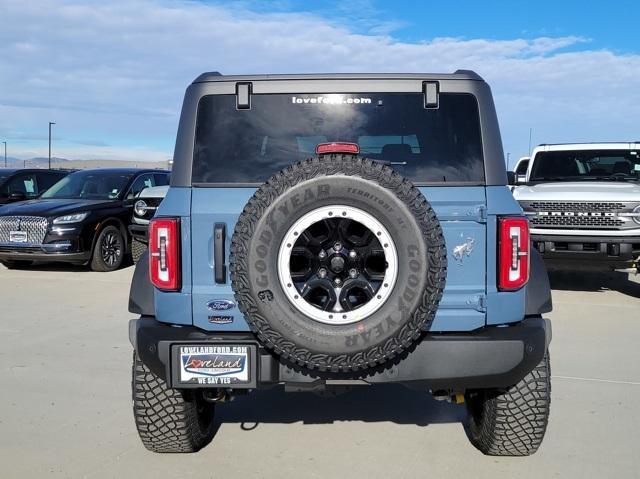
(583,203)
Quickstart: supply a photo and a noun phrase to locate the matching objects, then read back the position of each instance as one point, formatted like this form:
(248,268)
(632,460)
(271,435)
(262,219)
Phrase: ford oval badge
(220,305)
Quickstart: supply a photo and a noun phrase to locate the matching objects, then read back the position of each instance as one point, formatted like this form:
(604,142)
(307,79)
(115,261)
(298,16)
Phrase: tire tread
(513,423)
(166,420)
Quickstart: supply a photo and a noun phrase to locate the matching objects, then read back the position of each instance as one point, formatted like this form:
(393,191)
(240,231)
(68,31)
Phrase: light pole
(5,153)
(50,123)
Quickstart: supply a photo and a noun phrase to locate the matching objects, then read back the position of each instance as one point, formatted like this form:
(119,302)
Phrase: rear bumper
(493,357)
(587,252)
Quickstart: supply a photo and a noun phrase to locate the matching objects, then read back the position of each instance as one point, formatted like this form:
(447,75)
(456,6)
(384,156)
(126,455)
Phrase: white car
(521,168)
(144,208)
(583,203)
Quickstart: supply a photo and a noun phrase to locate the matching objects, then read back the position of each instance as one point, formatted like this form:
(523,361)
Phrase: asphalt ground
(65,400)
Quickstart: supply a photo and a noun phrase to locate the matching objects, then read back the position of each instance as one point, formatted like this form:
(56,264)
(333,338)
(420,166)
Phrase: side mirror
(511,178)
(17,196)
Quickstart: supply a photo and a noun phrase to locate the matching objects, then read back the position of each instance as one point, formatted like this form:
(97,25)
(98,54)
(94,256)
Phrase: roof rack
(457,75)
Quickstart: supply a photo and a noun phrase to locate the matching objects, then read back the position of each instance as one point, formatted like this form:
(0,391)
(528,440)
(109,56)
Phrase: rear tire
(168,420)
(137,249)
(16,264)
(513,422)
(109,250)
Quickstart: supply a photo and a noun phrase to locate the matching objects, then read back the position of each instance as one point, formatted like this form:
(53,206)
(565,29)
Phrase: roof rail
(457,75)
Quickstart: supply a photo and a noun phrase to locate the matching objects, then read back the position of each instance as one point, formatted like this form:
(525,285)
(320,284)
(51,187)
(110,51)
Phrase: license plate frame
(18,237)
(214,365)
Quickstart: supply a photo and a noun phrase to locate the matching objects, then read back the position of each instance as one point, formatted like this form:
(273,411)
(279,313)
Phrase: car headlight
(636,211)
(140,208)
(67,219)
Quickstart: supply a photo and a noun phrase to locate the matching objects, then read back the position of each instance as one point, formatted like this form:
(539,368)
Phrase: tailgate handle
(219,266)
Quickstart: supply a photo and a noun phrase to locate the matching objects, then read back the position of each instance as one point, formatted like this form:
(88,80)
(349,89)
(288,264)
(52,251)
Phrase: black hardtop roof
(457,75)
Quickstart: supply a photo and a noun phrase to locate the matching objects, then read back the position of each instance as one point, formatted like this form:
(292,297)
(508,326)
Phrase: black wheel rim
(337,264)
(111,248)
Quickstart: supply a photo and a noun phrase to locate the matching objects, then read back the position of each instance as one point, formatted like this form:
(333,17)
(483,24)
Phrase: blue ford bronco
(330,231)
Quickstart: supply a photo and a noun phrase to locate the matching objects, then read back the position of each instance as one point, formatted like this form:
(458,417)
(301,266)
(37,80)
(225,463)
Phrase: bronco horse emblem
(462,250)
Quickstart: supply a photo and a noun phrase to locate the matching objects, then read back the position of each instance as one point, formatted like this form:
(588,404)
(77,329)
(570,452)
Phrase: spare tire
(338,263)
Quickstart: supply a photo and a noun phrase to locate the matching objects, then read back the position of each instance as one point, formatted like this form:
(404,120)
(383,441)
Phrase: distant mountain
(56,162)
(38,162)
(11,162)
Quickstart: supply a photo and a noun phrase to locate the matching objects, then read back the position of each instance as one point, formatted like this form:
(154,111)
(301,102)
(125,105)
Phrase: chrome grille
(575,206)
(35,226)
(602,222)
(576,214)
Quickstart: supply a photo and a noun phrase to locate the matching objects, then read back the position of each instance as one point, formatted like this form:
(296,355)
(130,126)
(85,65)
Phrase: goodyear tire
(338,264)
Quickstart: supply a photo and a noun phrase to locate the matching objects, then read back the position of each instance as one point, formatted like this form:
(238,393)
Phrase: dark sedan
(23,184)
(81,219)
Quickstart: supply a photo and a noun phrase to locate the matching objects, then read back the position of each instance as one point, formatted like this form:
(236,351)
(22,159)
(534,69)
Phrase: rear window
(425,145)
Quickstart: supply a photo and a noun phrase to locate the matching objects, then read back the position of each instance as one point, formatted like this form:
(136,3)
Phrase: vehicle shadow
(59,267)
(382,403)
(596,281)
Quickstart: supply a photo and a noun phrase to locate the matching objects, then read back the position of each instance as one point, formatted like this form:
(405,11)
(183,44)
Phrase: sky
(112,74)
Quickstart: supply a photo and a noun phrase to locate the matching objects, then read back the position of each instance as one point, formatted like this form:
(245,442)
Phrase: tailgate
(461,211)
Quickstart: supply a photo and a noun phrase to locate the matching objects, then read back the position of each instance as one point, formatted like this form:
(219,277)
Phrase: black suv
(24,184)
(81,219)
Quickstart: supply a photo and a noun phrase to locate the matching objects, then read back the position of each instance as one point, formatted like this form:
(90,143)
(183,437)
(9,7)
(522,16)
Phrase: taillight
(164,253)
(513,253)
(338,147)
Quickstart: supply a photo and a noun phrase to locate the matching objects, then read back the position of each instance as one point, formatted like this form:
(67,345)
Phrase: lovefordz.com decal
(214,364)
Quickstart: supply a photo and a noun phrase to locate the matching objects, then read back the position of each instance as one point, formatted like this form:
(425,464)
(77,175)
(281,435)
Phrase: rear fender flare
(538,290)
(141,297)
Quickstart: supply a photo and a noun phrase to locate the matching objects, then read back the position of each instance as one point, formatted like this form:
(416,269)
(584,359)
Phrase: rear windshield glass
(597,165)
(425,145)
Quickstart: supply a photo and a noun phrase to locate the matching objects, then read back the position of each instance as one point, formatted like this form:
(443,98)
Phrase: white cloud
(114,72)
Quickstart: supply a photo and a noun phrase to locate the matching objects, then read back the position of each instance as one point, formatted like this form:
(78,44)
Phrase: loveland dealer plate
(215,364)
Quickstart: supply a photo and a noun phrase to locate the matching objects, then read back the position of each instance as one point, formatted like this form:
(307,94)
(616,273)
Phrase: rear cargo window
(425,145)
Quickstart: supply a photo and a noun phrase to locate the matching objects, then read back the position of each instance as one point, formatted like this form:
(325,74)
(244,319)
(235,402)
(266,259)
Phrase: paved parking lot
(65,408)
